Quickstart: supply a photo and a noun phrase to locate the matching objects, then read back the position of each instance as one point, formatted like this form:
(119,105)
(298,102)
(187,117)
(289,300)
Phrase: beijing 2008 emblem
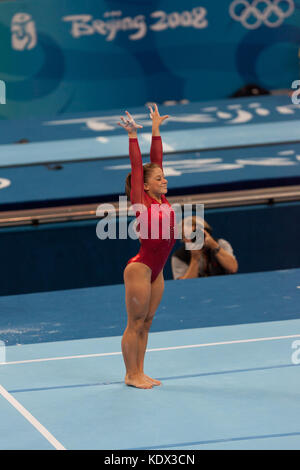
(23,32)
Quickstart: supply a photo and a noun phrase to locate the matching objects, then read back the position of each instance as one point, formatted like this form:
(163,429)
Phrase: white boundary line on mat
(32,420)
(171,348)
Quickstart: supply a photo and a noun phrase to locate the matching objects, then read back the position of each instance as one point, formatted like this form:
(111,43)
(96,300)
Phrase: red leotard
(154,250)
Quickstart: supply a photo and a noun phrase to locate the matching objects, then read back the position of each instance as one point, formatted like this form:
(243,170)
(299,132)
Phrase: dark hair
(147,170)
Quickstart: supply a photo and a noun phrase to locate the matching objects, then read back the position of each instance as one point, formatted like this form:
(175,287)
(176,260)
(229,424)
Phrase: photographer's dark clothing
(208,263)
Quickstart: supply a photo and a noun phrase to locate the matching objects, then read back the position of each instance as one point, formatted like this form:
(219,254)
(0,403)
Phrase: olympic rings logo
(267,12)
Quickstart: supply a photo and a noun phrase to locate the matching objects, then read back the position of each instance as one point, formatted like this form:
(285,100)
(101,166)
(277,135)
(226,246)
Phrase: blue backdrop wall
(61,56)
(70,255)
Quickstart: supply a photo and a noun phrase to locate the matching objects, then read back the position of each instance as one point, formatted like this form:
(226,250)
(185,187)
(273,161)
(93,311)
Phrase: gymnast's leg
(157,289)
(137,279)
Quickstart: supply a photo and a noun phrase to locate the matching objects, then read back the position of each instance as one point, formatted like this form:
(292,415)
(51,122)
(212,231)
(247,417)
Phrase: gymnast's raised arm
(137,175)
(156,151)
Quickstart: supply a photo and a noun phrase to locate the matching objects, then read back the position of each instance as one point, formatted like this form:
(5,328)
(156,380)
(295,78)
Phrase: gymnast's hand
(155,116)
(129,124)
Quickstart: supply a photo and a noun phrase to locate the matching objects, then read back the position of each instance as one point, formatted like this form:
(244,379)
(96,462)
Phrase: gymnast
(143,274)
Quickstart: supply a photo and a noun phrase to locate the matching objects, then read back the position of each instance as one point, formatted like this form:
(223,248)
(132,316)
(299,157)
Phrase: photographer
(214,257)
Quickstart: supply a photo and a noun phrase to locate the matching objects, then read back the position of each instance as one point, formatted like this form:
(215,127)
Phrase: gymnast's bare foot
(152,381)
(138,381)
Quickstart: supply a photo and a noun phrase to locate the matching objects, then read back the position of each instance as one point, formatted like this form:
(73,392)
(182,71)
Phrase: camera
(197,241)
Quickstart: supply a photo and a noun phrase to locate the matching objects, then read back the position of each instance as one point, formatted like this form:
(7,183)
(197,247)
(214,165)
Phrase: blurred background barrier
(68,255)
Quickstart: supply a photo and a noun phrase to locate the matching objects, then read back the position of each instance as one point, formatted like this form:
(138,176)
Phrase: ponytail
(128,186)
